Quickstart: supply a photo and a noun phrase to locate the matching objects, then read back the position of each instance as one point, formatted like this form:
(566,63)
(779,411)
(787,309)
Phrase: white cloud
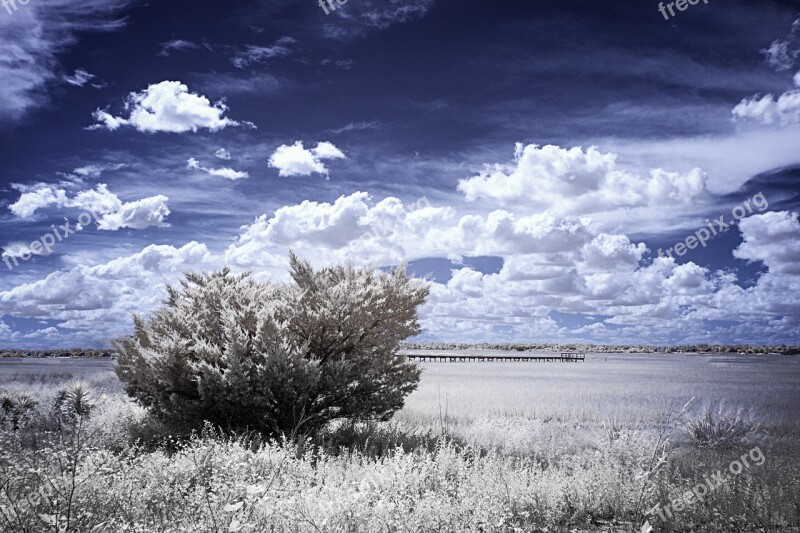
(168,106)
(31,39)
(355,19)
(100,200)
(223,154)
(224,172)
(79,78)
(388,232)
(21,249)
(357,126)
(97,301)
(728,160)
(247,82)
(783,54)
(177,45)
(258,54)
(30,202)
(345,64)
(295,160)
(351,227)
(116,214)
(80,174)
(553,264)
(576,181)
(774,238)
(137,215)
(770,111)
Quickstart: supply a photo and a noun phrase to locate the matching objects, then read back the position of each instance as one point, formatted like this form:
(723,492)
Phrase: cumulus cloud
(571,181)
(137,215)
(295,160)
(30,202)
(224,172)
(168,106)
(96,302)
(550,263)
(771,111)
(116,214)
(223,154)
(350,227)
(388,232)
(99,200)
(553,265)
(774,239)
(31,39)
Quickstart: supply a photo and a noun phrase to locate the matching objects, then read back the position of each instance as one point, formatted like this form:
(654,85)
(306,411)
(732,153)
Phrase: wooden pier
(563,357)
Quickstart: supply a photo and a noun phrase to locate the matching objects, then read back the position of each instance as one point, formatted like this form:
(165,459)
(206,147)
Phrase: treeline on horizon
(73,352)
(511,347)
(600,348)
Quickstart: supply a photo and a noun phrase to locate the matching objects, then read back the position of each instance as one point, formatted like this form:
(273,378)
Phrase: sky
(619,172)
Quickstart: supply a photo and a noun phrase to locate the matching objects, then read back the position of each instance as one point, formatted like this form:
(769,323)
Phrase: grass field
(562,447)
(507,404)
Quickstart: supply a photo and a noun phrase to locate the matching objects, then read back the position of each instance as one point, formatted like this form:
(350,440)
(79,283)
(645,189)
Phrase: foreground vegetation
(440,465)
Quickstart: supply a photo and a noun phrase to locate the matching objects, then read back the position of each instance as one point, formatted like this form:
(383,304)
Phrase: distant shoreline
(704,349)
(700,349)
(58,354)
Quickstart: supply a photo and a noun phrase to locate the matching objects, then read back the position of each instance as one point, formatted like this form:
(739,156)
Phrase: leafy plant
(278,359)
(722,428)
(15,410)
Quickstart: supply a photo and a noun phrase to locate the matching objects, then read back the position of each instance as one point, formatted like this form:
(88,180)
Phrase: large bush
(276,358)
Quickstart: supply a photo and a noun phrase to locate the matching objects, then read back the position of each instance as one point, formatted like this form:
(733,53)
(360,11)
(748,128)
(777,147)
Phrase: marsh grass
(558,449)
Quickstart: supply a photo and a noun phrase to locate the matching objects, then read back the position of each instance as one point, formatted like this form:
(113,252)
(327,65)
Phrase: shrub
(15,410)
(722,428)
(76,399)
(276,358)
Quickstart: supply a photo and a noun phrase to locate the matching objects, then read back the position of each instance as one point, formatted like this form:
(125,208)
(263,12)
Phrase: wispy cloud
(258,83)
(784,53)
(31,40)
(252,54)
(224,172)
(357,126)
(81,77)
(357,18)
(177,45)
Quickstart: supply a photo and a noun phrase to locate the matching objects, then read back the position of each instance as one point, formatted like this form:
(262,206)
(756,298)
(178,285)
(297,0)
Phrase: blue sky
(531,157)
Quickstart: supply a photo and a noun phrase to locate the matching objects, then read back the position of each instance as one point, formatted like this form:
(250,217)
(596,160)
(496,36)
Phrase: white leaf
(232,507)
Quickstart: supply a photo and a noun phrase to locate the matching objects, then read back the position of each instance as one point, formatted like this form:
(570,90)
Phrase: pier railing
(564,357)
